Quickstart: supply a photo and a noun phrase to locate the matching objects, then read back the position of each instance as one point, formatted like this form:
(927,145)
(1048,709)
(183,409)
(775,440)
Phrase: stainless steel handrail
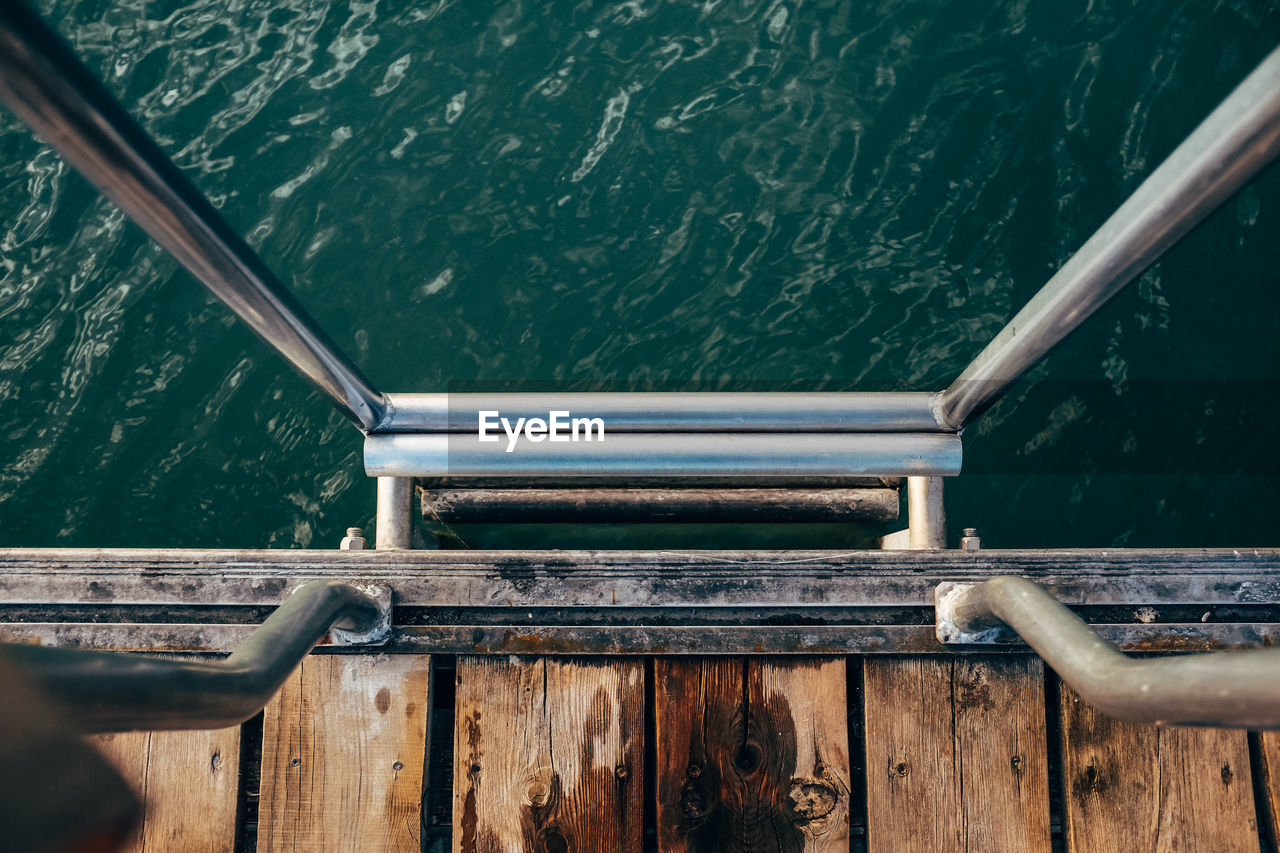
(117,692)
(1229,147)
(1237,689)
(51,90)
(56,95)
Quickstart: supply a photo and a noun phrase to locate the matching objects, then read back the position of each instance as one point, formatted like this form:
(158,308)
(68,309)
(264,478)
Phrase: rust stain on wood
(956,754)
(343,755)
(1135,787)
(549,756)
(752,755)
(188,785)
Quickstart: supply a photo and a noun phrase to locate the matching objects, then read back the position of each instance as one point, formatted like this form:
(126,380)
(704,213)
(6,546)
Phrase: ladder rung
(658,505)
(759,458)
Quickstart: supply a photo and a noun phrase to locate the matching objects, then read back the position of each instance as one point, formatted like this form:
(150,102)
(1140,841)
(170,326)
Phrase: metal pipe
(55,94)
(867,411)
(1229,147)
(926,518)
(459,506)
(762,457)
(1239,689)
(395,514)
(117,692)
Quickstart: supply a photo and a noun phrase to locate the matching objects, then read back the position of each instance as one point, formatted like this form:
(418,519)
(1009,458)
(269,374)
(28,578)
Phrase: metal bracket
(945,596)
(379,633)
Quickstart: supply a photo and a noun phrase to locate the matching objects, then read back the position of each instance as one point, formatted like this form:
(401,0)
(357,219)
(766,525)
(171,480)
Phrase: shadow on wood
(1137,787)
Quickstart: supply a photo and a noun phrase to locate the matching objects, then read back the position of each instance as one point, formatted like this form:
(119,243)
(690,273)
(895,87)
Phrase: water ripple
(761,193)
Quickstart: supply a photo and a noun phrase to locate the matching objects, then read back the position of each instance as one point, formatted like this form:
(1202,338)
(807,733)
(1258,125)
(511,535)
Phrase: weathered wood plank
(752,755)
(1269,771)
(956,754)
(1147,788)
(638,578)
(548,756)
(187,781)
(343,748)
(828,631)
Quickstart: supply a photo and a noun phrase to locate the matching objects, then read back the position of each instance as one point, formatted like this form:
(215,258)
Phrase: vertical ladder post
(926,519)
(395,514)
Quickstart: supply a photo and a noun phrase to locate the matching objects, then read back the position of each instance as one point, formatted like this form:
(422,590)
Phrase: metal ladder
(761,442)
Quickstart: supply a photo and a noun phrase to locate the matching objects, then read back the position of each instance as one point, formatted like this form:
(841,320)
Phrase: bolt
(354,540)
(970,541)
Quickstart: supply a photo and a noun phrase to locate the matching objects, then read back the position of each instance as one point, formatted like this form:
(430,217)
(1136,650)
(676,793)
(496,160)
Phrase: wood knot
(901,769)
(552,840)
(542,790)
(621,771)
(694,771)
(811,799)
(1015,762)
(693,805)
(748,759)
(1095,781)
(537,793)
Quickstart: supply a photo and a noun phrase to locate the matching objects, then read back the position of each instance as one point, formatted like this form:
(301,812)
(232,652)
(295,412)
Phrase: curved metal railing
(1237,689)
(117,691)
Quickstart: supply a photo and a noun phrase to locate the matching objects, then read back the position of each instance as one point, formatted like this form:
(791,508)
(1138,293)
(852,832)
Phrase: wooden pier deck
(491,754)
(869,736)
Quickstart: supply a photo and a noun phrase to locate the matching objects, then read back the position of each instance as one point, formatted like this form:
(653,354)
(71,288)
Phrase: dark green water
(719,195)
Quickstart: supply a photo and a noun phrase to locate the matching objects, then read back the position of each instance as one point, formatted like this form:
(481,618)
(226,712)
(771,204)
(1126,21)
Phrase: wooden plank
(188,783)
(828,630)
(639,578)
(1269,773)
(548,755)
(956,754)
(1130,787)
(343,748)
(752,754)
